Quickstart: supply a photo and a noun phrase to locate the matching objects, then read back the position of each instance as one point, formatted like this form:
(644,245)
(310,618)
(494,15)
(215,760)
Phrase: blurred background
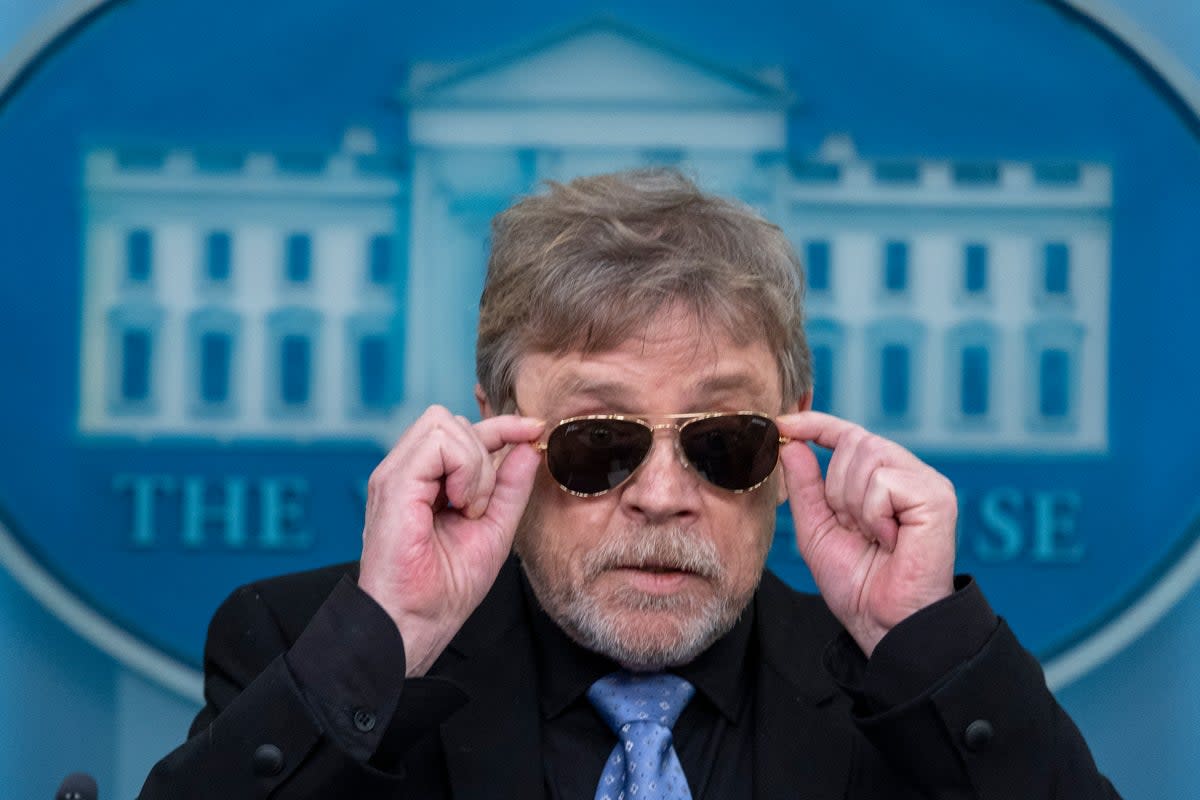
(240,249)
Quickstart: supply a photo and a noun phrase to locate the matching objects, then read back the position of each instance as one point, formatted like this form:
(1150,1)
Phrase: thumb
(806,492)
(514,483)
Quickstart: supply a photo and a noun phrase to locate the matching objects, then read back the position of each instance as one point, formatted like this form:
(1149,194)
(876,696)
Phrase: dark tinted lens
(734,452)
(590,456)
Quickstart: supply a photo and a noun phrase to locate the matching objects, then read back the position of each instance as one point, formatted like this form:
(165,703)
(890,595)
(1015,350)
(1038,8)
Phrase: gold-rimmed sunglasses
(596,453)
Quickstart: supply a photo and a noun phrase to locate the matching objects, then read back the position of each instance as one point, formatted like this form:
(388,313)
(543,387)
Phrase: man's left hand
(877,531)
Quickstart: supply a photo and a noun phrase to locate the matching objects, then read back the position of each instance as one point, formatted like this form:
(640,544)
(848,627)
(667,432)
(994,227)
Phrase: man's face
(654,571)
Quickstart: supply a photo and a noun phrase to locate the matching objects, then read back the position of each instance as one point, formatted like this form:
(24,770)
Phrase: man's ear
(485,405)
(781,490)
(805,402)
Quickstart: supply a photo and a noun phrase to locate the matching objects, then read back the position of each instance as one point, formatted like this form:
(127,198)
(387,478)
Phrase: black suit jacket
(811,739)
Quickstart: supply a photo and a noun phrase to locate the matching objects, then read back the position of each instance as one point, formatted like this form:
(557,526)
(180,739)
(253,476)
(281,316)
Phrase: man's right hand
(441,515)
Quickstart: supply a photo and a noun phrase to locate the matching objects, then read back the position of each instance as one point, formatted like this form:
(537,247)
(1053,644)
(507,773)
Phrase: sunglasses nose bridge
(676,444)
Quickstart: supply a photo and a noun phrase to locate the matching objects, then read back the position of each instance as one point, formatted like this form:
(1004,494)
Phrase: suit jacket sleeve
(952,701)
(298,714)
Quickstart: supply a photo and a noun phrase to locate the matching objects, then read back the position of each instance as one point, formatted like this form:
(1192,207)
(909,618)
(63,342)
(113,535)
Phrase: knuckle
(876,447)
(487,475)
(377,479)
(438,415)
(856,434)
(949,494)
(835,499)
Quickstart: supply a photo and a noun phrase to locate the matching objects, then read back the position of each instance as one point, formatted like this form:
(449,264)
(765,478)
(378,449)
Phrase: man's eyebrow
(579,386)
(738,381)
(614,393)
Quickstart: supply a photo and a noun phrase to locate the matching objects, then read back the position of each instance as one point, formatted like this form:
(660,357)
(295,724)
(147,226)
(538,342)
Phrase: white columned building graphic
(265,296)
(237,295)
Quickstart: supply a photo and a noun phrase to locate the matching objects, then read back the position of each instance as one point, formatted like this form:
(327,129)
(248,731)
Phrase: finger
(829,431)
(870,454)
(499,435)
(437,450)
(492,437)
(486,475)
(514,482)
(806,495)
(496,432)
(445,457)
(830,549)
(490,537)
(459,464)
(432,465)
(850,465)
(416,438)
(825,430)
(838,474)
(879,506)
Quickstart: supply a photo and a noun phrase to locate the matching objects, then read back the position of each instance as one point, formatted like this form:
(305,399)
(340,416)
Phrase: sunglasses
(594,454)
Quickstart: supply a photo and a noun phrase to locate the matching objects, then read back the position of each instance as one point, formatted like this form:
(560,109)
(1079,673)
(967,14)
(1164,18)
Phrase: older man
(568,599)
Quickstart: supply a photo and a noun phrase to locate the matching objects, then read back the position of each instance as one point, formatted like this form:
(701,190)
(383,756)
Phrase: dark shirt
(349,664)
(719,718)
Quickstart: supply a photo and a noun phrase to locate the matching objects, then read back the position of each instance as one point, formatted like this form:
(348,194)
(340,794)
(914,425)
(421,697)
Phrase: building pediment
(599,64)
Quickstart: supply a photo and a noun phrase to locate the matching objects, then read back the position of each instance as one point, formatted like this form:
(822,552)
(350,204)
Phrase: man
(644,384)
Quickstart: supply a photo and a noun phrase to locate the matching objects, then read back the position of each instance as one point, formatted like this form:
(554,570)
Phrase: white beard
(615,625)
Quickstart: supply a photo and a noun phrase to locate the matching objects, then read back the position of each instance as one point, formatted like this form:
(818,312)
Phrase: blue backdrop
(112,101)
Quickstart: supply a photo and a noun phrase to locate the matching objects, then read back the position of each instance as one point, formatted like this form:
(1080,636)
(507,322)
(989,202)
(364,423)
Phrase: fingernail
(476,509)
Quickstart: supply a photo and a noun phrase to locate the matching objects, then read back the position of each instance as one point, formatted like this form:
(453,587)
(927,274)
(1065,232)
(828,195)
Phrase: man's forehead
(615,380)
(678,358)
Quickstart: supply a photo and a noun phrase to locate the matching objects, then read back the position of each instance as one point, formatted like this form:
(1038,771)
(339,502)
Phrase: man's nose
(664,489)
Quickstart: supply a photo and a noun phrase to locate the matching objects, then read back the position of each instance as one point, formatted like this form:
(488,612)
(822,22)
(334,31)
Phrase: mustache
(654,547)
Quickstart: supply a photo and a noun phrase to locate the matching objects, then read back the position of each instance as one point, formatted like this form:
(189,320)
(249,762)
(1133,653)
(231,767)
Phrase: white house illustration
(954,306)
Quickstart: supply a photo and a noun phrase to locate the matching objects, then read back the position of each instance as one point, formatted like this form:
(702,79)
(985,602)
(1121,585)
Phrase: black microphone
(77,786)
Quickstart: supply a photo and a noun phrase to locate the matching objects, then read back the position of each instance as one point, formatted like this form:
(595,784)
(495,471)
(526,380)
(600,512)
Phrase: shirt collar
(566,669)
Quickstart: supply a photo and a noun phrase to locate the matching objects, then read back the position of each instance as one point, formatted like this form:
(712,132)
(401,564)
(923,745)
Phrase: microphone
(77,786)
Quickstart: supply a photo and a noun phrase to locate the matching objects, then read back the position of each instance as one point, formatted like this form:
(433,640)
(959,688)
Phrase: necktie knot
(641,710)
(626,697)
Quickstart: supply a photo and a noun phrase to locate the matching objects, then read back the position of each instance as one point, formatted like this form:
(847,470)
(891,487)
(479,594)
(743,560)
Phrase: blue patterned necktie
(641,710)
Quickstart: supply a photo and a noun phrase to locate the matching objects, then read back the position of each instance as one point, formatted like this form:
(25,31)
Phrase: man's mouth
(654,578)
(659,564)
(663,559)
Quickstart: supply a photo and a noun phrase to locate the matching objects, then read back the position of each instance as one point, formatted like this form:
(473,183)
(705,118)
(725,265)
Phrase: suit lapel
(493,744)
(803,735)
(804,738)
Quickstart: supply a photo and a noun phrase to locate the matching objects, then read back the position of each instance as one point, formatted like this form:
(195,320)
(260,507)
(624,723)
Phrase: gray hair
(585,265)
